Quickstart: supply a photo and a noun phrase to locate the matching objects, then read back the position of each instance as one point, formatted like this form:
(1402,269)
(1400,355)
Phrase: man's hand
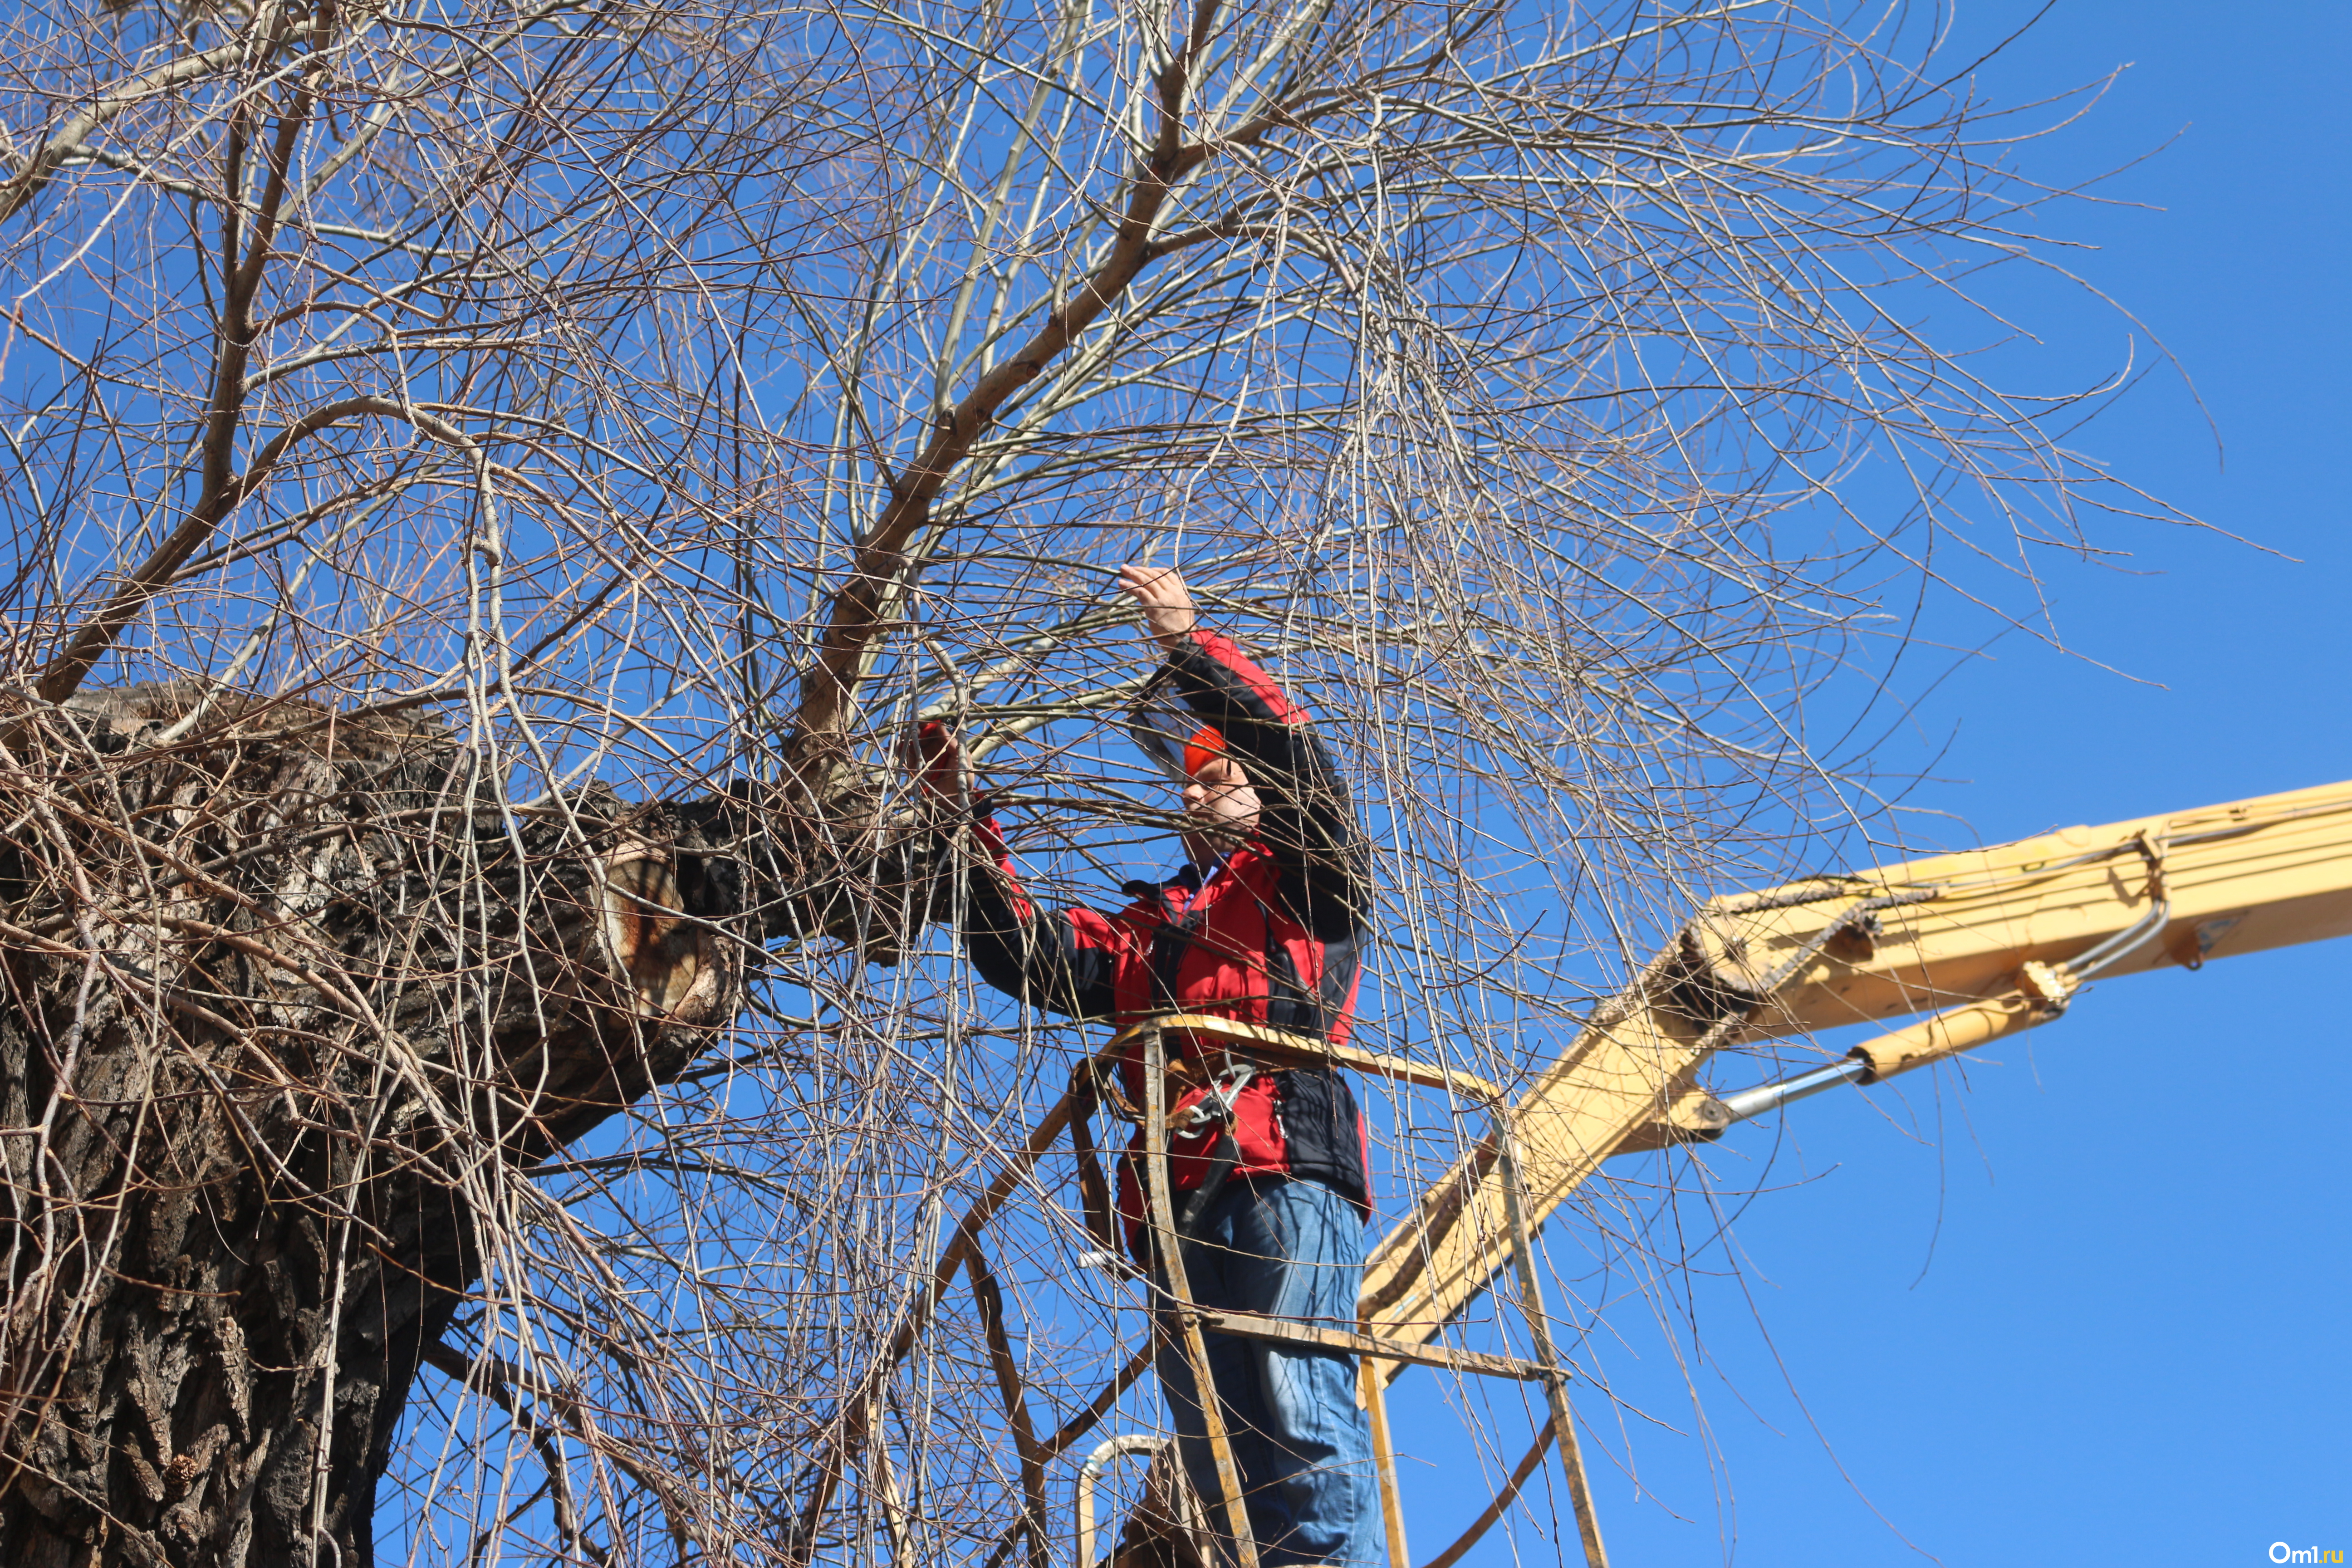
(1167,605)
(932,753)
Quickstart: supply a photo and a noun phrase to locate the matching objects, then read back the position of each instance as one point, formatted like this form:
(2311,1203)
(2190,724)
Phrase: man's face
(1221,806)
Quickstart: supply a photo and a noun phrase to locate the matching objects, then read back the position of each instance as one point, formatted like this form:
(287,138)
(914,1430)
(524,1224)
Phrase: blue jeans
(1288,1249)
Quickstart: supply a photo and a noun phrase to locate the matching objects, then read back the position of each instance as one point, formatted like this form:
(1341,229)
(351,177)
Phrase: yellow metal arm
(1992,940)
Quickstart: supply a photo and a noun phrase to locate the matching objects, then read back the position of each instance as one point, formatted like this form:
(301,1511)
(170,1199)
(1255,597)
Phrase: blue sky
(2099,1317)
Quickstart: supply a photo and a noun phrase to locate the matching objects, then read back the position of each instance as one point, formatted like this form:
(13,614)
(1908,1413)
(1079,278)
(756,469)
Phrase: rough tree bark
(284,1001)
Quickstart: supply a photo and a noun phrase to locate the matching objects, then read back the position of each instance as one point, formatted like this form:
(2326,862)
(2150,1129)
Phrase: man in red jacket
(1264,923)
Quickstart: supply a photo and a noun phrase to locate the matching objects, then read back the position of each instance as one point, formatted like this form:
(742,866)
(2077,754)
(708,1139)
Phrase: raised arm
(1308,823)
(1309,820)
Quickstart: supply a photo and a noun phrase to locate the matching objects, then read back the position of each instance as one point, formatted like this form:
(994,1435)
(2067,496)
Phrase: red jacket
(1274,935)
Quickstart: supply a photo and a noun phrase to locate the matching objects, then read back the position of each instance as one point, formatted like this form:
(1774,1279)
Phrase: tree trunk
(284,1003)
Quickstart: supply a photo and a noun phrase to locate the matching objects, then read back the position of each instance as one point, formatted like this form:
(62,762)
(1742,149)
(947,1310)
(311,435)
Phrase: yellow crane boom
(1990,942)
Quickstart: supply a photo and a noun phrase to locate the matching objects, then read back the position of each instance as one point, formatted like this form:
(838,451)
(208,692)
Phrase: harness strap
(1221,1169)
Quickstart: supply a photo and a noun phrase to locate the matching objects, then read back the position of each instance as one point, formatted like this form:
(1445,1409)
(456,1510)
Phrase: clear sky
(2089,1305)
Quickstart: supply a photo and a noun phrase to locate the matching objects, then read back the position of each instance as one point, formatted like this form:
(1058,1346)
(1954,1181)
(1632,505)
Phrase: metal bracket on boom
(2038,991)
(2040,994)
